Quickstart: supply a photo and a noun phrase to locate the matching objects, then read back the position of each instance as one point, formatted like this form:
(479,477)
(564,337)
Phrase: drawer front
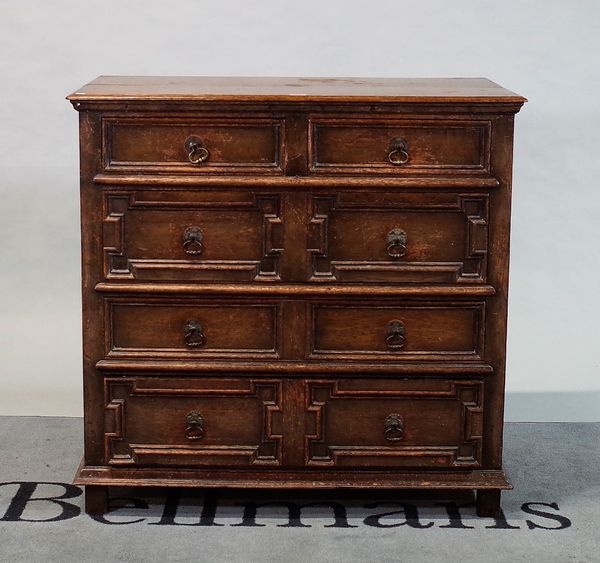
(192,422)
(193,145)
(399,237)
(187,235)
(394,423)
(398,146)
(375,330)
(192,328)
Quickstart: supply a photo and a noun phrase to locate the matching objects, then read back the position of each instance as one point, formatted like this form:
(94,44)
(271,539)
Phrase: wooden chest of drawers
(295,283)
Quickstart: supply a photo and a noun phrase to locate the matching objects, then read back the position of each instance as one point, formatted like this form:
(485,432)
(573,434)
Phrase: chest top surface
(282,89)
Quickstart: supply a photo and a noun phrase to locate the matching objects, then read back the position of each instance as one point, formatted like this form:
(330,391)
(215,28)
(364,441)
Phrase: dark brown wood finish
(363,146)
(399,237)
(294,282)
(191,235)
(406,423)
(161,145)
(416,330)
(190,422)
(193,328)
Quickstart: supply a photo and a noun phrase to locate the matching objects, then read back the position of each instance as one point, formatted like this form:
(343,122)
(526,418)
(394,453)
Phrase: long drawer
(252,144)
(238,236)
(288,328)
(343,423)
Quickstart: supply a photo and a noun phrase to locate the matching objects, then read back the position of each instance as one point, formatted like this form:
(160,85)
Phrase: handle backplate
(398,152)
(193,333)
(395,336)
(194,426)
(193,238)
(396,243)
(394,427)
(196,151)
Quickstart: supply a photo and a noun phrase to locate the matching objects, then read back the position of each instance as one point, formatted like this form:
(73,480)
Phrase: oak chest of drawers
(295,283)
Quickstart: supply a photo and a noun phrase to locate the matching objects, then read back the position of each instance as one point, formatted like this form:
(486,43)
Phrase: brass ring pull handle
(398,154)
(394,427)
(396,243)
(395,337)
(194,426)
(192,241)
(196,151)
(193,334)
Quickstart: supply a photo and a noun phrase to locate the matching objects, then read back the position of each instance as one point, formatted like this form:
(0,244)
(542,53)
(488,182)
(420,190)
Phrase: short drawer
(417,423)
(399,237)
(192,328)
(191,235)
(192,422)
(389,145)
(380,331)
(192,145)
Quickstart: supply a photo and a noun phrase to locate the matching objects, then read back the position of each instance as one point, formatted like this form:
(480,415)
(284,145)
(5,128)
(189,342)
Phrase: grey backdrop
(546,50)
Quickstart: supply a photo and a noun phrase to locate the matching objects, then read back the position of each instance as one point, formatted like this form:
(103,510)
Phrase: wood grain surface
(295,282)
(309,89)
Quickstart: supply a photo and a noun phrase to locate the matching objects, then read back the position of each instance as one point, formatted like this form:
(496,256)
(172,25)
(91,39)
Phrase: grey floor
(553,514)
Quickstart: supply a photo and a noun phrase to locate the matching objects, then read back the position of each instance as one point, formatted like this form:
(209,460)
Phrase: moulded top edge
(281,89)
